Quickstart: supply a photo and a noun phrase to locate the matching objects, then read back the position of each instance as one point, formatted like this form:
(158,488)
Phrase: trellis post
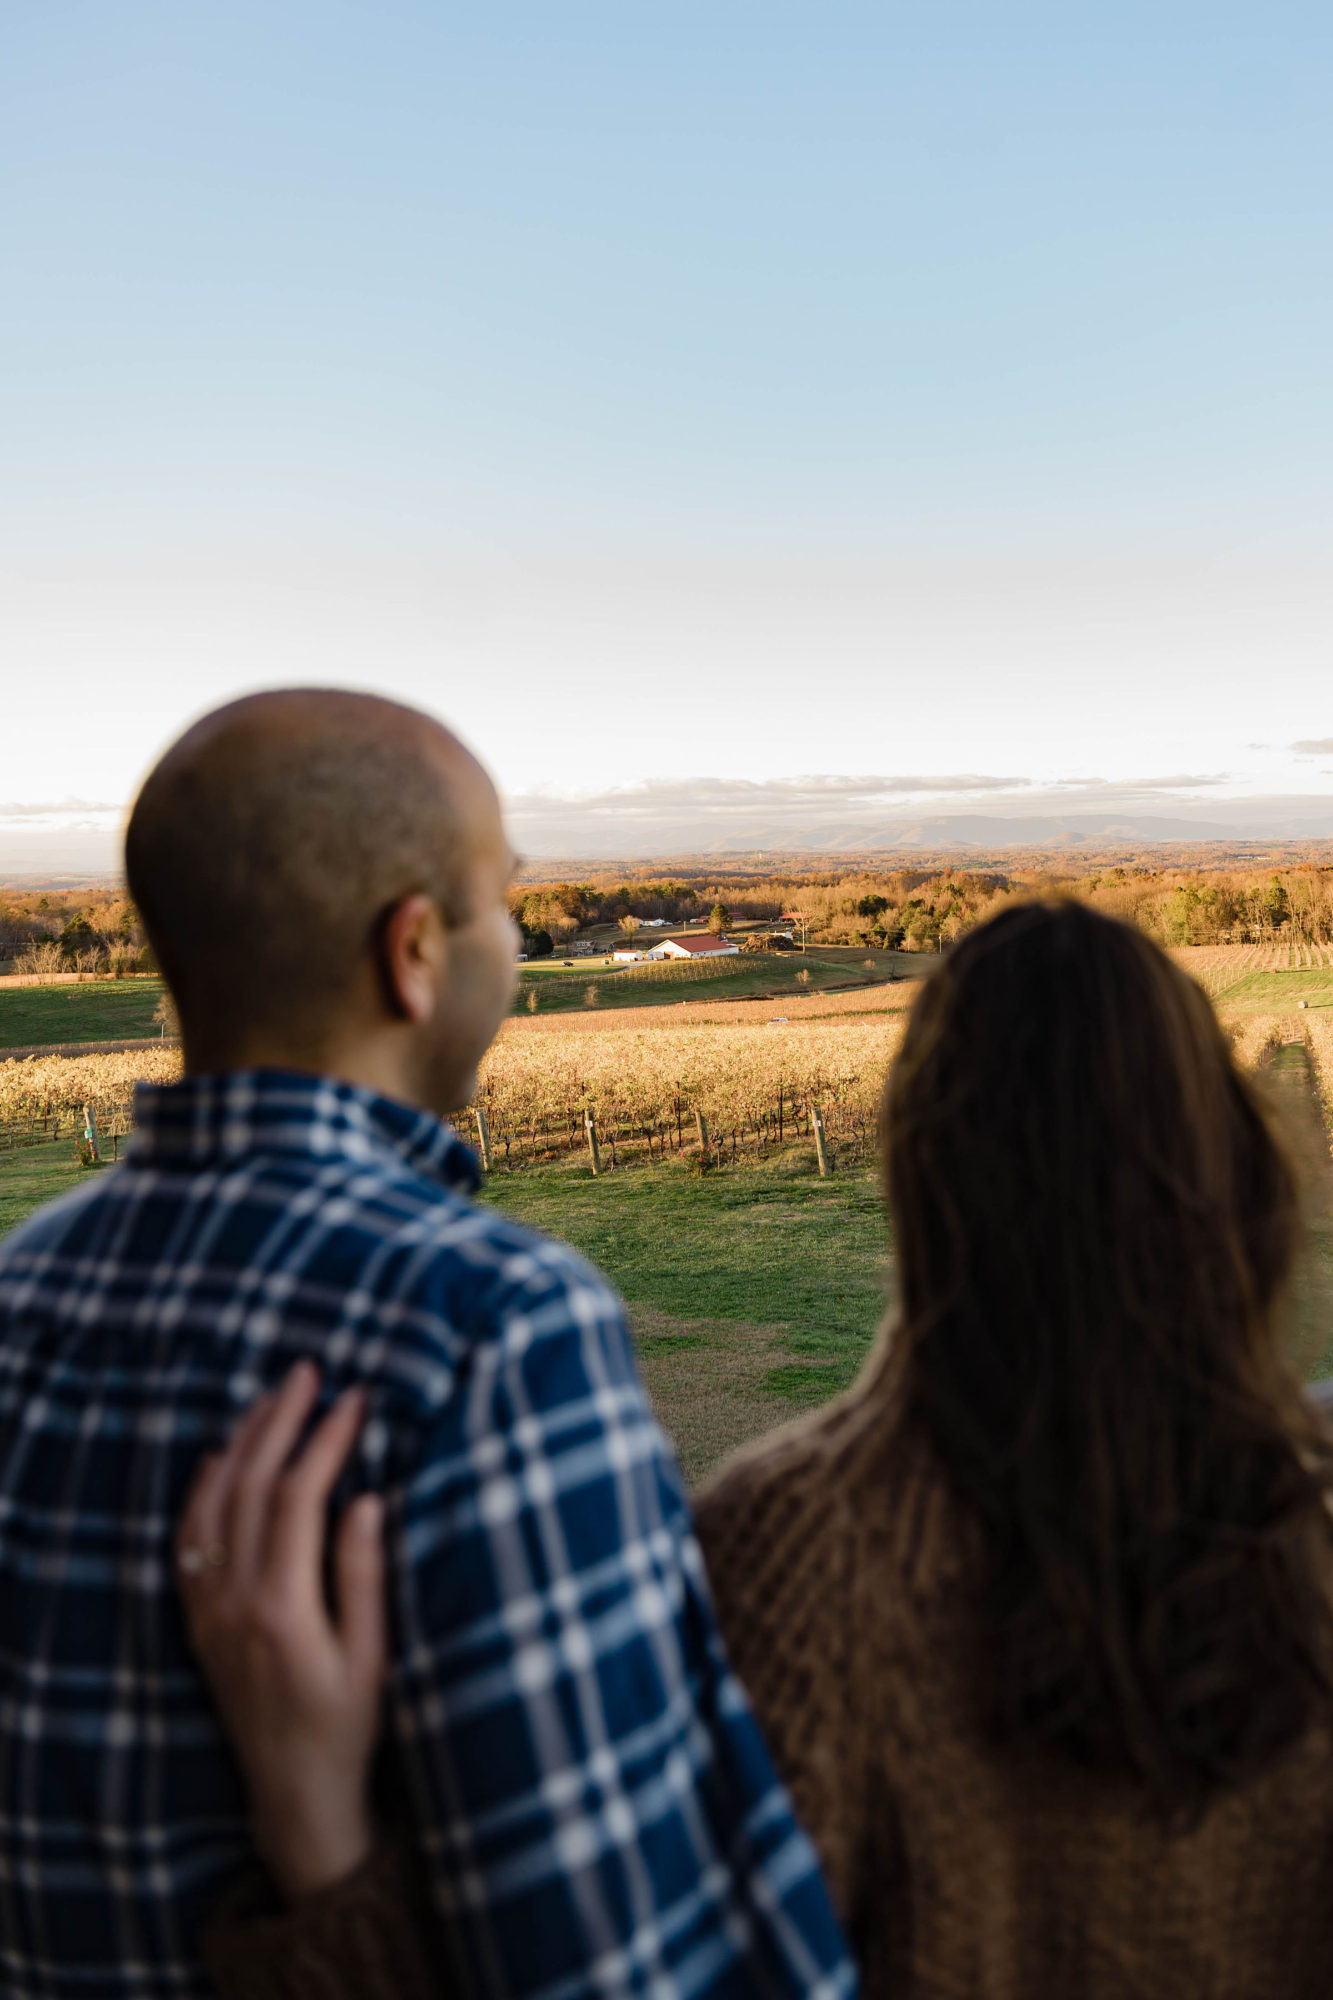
(590,1127)
(821,1147)
(483,1137)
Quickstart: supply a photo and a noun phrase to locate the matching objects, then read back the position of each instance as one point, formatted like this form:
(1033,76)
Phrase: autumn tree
(78,936)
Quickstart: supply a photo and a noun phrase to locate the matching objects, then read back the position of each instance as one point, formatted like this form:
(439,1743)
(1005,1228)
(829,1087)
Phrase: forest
(1193,900)
(925,908)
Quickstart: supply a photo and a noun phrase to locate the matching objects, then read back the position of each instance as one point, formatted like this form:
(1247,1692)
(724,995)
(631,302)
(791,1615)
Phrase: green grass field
(1275,992)
(35,1174)
(753,1293)
(103,1010)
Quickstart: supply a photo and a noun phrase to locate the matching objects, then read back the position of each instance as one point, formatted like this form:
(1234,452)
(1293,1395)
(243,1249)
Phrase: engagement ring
(193,1561)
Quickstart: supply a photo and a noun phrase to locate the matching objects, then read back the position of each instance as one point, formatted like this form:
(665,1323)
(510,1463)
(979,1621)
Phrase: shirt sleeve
(596,1806)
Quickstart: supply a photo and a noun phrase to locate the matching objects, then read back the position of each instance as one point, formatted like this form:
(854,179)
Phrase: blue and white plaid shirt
(596,1808)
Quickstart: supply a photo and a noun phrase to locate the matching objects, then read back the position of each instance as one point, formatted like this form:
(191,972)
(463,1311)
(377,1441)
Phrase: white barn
(695,947)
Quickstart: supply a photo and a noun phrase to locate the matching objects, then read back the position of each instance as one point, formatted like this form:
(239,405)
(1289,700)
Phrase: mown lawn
(34,1174)
(104,1010)
(753,1292)
(770,1245)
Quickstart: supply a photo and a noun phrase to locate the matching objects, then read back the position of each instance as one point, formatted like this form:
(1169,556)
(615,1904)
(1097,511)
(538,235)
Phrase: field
(103,1010)
(752,1294)
(40,1093)
(754,1286)
(590,983)
(855,1002)
(756,1085)
(35,1175)
(1275,976)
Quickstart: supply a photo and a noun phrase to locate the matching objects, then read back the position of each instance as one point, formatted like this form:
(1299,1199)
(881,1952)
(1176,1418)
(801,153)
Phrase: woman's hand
(298,1688)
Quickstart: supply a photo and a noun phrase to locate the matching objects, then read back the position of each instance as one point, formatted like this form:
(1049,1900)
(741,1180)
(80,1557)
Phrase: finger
(360,1573)
(200,1525)
(293,1558)
(203,1517)
(266,1452)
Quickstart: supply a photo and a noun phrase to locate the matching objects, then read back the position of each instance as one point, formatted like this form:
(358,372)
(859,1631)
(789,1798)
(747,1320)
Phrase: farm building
(695,947)
(626,954)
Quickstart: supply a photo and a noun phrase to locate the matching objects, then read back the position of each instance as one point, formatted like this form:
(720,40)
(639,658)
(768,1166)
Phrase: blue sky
(671,392)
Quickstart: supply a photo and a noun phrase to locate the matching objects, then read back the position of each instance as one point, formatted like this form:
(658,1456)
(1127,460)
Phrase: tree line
(72,930)
(925,909)
(97,930)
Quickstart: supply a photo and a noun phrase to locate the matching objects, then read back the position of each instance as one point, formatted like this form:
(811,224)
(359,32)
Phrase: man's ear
(412,951)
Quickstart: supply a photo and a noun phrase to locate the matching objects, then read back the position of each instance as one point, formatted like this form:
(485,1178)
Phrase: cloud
(66,810)
(828,813)
(719,796)
(1313,746)
(1181,781)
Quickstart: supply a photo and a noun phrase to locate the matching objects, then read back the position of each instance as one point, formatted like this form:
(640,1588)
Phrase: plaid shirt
(587,1784)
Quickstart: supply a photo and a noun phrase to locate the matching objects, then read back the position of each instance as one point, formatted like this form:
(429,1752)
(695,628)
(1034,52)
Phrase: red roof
(703,944)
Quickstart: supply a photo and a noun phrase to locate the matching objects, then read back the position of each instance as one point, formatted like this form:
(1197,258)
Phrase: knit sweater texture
(844,1575)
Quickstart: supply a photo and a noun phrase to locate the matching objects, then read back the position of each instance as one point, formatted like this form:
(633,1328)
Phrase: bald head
(270,842)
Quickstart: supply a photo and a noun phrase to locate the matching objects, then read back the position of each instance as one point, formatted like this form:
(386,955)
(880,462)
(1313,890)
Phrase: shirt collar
(205,1119)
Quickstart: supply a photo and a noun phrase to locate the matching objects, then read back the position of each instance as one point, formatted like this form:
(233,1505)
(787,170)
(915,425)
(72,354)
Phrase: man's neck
(373,1062)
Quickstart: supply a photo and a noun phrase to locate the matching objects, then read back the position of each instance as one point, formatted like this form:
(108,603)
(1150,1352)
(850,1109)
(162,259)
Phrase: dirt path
(706,1379)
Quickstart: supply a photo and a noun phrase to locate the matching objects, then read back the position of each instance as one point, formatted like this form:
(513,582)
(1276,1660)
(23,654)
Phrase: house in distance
(692,947)
(695,947)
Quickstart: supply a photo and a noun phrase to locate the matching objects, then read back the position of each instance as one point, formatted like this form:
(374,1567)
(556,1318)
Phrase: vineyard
(1319,1041)
(42,1097)
(1217,967)
(680,971)
(716,1083)
(755,1086)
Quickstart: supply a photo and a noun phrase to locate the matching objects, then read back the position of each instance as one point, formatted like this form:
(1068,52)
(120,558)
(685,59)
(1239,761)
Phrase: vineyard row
(754,1087)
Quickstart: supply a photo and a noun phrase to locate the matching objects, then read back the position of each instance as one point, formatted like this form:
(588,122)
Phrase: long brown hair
(1095,1227)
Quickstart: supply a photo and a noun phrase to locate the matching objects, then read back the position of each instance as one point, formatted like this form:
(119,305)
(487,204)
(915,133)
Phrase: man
(323,878)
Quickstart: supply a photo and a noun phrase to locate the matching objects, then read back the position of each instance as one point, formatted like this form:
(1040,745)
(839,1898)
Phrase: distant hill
(565,842)
(992,830)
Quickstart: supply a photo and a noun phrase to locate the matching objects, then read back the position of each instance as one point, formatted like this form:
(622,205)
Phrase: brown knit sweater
(841,1572)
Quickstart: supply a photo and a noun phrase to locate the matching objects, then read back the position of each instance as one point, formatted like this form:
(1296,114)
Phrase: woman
(1039,1617)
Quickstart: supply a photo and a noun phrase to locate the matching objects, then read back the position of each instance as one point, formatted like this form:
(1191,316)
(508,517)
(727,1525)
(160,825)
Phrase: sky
(752,422)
